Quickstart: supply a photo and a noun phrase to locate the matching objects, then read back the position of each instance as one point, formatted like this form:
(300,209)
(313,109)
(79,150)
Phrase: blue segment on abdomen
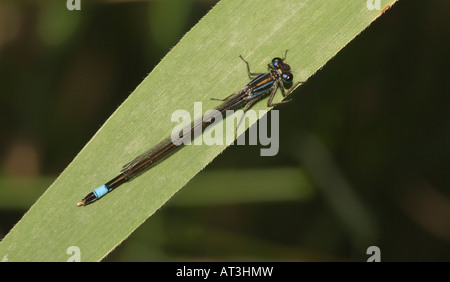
(100,191)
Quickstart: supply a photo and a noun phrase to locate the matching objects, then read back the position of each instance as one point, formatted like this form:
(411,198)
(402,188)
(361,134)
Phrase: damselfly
(264,83)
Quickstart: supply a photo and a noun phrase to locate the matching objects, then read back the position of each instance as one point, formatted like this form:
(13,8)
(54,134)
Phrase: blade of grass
(202,65)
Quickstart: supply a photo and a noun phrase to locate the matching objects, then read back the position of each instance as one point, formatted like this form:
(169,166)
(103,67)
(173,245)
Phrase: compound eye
(276,62)
(287,77)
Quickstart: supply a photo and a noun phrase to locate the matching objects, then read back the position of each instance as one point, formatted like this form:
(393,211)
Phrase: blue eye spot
(287,77)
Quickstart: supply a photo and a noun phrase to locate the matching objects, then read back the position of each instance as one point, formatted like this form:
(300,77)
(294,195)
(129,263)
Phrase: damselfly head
(283,69)
(278,63)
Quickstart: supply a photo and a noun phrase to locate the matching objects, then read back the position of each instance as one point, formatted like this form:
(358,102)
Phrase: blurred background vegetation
(364,146)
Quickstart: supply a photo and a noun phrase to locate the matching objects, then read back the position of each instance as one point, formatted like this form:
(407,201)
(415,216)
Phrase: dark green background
(371,128)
